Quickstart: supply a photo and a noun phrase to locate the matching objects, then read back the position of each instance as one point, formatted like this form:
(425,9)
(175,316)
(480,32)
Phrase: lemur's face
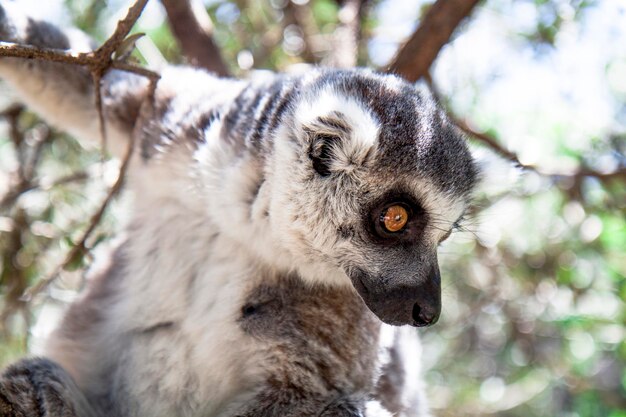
(376,179)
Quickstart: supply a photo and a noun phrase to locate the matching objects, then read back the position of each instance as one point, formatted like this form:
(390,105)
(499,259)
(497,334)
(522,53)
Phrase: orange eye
(394,218)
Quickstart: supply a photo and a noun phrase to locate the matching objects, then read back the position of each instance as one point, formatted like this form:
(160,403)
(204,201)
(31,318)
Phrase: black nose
(423,317)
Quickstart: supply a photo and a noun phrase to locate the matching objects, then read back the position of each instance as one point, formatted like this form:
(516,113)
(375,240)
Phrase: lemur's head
(370,177)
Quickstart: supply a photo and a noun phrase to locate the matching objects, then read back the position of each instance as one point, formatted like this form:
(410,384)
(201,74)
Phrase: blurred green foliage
(534,318)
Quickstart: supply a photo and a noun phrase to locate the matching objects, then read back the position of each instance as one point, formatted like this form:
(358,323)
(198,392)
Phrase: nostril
(416,315)
(422,317)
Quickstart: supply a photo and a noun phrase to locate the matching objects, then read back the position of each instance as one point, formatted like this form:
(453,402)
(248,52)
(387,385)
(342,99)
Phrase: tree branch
(104,53)
(11,196)
(193,31)
(80,248)
(494,145)
(416,56)
(30,52)
(98,62)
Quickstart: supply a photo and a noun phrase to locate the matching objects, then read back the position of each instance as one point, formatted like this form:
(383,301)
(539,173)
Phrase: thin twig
(124,66)
(80,248)
(490,142)
(98,62)
(97,82)
(11,197)
(103,57)
(89,59)
(124,26)
(9,49)
(494,145)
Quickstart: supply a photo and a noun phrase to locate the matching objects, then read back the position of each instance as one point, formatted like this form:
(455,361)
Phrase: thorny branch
(98,63)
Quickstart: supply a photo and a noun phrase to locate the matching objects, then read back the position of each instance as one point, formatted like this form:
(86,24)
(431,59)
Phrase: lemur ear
(321,152)
(325,136)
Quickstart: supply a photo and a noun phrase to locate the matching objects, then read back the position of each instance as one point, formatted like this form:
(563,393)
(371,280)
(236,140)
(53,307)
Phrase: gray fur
(248,276)
(39,387)
(298,327)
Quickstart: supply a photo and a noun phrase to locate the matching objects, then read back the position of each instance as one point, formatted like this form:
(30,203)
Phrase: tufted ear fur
(321,153)
(325,136)
(334,146)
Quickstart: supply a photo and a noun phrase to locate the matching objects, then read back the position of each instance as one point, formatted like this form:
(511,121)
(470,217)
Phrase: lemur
(284,231)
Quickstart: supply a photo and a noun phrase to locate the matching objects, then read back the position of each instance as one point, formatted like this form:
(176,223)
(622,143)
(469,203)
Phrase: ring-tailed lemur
(271,218)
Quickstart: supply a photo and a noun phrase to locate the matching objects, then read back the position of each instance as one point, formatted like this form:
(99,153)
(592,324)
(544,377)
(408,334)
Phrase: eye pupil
(394,218)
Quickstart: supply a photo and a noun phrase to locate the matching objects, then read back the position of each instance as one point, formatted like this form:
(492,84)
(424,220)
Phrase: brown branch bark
(105,52)
(493,144)
(194,35)
(98,62)
(30,52)
(416,56)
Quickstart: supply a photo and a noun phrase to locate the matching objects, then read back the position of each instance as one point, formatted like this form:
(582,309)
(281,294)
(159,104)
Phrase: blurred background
(534,319)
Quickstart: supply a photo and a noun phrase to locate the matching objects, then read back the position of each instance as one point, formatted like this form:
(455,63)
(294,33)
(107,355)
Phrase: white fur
(207,341)
(363,125)
(443,209)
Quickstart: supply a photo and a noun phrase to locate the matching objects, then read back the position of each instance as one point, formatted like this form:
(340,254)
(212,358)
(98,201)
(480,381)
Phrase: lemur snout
(400,302)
